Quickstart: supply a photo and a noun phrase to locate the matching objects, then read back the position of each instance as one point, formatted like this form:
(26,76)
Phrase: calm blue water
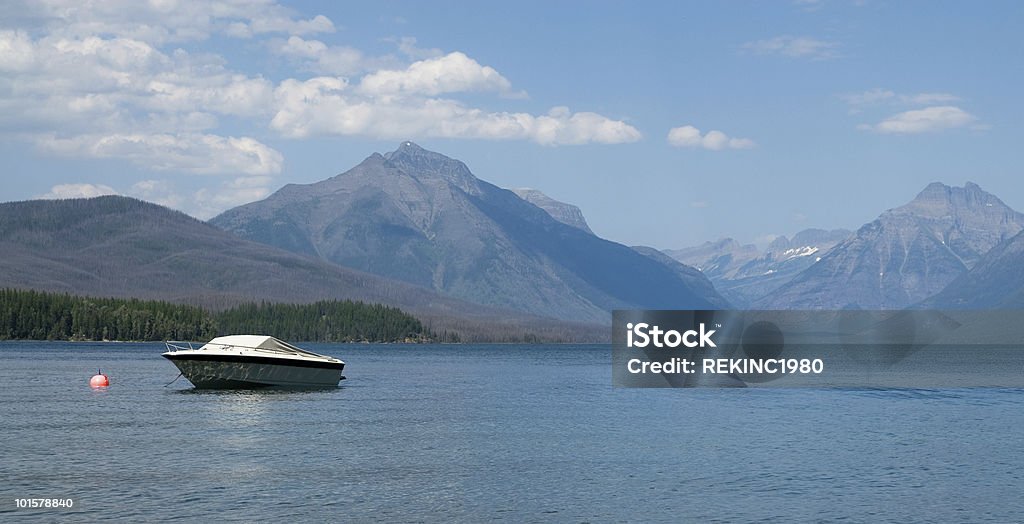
(474,433)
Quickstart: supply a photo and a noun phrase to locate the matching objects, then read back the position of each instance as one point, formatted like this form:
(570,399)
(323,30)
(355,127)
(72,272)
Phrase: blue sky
(667,123)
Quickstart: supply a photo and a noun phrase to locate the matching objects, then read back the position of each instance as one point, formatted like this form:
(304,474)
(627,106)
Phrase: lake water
(479,433)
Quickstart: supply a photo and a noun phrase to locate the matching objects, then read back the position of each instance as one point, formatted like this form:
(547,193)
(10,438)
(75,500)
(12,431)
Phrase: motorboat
(253,361)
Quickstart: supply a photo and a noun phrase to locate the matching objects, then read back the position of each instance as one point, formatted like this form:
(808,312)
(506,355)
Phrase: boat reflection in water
(253,361)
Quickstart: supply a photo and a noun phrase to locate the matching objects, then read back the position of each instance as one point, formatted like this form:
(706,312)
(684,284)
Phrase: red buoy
(99,380)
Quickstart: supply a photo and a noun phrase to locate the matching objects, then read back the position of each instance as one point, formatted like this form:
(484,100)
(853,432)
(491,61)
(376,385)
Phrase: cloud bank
(134,81)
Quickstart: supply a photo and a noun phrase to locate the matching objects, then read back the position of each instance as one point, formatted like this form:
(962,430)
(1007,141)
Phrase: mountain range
(418,230)
(995,282)
(116,246)
(948,247)
(420,217)
(904,256)
(742,273)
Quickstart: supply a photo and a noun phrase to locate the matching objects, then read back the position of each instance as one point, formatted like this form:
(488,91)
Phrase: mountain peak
(410,151)
(419,162)
(938,189)
(937,200)
(408,146)
(932,190)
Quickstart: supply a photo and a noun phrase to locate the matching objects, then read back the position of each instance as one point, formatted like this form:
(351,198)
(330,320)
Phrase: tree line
(325,321)
(37,315)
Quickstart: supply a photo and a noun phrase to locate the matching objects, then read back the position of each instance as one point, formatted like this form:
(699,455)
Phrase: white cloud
(929,119)
(407,45)
(208,203)
(120,86)
(869,97)
(16,51)
(451,73)
(281,23)
(63,191)
(689,136)
(560,126)
(192,153)
(79,85)
(125,99)
(919,120)
(328,106)
(794,47)
(317,56)
(402,103)
(162,21)
(159,192)
(879,96)
(124,80)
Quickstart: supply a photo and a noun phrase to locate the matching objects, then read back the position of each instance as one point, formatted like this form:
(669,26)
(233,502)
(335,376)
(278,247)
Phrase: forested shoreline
(36,315)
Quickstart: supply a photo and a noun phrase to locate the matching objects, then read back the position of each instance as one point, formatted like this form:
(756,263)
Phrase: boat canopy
(258,342)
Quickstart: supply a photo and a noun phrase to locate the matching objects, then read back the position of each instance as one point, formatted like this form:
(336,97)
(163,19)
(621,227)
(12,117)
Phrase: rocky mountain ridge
(423,218)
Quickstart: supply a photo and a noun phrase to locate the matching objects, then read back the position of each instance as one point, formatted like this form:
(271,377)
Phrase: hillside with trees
(38,315)
(124,248)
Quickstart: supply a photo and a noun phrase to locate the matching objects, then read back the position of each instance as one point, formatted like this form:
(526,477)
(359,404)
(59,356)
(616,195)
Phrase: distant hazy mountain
(743,274)
(719,259)
(906,255)
(120,247)
(424,218)
(560,211)
(995,282)
(692,276)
